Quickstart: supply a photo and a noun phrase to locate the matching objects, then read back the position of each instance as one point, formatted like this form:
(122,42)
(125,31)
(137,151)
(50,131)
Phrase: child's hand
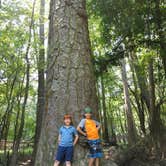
(59,141)
(98,128)
(85,134)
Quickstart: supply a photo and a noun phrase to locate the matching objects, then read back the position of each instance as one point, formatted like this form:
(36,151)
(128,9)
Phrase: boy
(90,128)
(67,138)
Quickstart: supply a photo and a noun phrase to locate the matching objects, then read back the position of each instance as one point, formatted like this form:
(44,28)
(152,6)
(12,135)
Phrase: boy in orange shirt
(90,128)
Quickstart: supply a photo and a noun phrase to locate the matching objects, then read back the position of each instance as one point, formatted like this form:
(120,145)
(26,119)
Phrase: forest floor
(133,162)
(135,156)
(140,154)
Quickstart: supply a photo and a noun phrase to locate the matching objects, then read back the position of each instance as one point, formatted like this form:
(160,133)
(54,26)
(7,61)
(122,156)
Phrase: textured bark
(111,123)
(70,78)
(41,81)
(130,121)
(142,81)
(105,126)
(155,119)
(159,19)
(140,108)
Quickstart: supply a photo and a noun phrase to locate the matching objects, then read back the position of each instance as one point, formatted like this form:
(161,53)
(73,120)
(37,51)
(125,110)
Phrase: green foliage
(129,29)
(14,35)
(118,29)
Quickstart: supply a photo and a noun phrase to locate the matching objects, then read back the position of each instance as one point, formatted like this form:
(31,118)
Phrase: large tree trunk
(70,76)
(41,81)
(130,121)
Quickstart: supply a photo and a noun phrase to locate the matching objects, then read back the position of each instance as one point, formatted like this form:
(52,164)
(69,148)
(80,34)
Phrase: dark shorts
(95,149)
(64,153)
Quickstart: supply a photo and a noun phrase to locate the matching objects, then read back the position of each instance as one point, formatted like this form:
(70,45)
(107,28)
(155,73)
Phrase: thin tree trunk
(160,32)
(140,109)
(111,117)
(132,135)
(6,119)
(142,82)
(100,108)
(10,100)
(105,126)
(41,81)
(155,120)
(122,126)
(70,83)
(16,145)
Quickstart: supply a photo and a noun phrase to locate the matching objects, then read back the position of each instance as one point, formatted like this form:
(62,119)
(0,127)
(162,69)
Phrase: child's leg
(91,161)
(59,156)
(68,163)
(97,162)
(56,163)
(69,155)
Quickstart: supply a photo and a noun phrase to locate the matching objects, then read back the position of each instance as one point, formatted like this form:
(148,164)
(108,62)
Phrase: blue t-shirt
(67,135)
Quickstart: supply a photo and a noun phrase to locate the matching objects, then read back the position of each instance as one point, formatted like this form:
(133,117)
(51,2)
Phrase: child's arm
(75,140)
(80,126)
(98,125)
(59,138)
(80,131)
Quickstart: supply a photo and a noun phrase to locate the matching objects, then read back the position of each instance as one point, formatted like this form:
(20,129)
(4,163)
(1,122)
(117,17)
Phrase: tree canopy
(57,58)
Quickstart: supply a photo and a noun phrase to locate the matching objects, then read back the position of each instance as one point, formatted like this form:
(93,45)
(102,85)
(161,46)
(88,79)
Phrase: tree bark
(155,120)
(105,126)
(70,81)
(140,109)
(132,135)
(112,126)
(41,81)
(100,108)
(142,81)
(160,33)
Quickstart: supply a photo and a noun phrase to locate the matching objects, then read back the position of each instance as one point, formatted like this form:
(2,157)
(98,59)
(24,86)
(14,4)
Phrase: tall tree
(156,126)
(139,103)
(105,125)
(70,82)
(141,79)
(16,144)
(159,20)
(41,80)
(132,136)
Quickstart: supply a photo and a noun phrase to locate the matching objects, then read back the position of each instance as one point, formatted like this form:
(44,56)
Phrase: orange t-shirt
(91,129)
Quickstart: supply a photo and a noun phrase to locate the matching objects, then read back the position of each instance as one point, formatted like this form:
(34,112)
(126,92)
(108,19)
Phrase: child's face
(88,115)
(67,121)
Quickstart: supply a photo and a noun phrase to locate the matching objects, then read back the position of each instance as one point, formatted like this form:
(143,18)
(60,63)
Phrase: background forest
(128,50)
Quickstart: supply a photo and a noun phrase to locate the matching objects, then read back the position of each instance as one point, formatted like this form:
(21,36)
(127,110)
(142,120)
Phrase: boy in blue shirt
(67,138)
